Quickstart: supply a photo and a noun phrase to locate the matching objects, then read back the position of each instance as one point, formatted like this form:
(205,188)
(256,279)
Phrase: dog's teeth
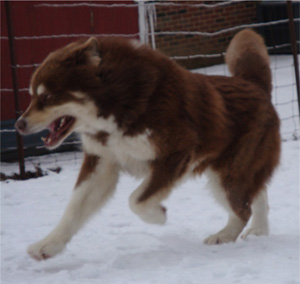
(43,139)
(62,121)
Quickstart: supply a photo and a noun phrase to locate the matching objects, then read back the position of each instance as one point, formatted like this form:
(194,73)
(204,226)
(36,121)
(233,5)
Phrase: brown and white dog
(138,111)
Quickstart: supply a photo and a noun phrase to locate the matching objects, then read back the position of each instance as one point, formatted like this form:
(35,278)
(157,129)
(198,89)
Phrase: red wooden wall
(32,20)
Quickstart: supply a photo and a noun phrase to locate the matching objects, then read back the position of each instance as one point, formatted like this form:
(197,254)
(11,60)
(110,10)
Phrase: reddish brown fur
(89,164)
(225,123)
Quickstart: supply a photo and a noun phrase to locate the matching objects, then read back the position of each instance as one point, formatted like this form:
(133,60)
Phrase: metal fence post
(15,84)
(294,47)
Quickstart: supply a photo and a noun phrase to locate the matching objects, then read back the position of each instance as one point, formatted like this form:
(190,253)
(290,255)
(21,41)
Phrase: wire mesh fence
(154,31)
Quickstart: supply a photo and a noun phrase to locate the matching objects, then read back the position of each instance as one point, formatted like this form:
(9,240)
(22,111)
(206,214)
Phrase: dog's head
(56,101)
(91,86)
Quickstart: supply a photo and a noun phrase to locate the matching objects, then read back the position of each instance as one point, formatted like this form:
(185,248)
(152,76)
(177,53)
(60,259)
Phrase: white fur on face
(40,90)
(88,120)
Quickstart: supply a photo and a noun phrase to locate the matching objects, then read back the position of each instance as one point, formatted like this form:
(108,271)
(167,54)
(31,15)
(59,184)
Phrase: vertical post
(294,47)
(142,22)
(15,84)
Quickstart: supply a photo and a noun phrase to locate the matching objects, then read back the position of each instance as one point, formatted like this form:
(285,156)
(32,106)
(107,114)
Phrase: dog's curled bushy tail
(247,58)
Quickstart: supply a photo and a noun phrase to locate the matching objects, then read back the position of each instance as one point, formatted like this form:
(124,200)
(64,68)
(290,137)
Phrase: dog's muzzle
(21,125)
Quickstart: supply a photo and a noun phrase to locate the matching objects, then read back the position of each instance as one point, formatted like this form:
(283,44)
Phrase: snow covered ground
(115,247)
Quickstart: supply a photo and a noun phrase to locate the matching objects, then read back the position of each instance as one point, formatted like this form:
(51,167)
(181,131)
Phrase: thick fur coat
(140,112)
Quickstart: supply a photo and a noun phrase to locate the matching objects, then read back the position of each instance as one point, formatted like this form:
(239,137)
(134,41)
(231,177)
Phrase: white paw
(154,215)
(220,238)
(256,231)
(45,249)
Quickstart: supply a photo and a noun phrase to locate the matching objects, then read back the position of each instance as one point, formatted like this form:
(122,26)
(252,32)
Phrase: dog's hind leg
(146,200)
(260,210)
(96,182)
(238,215)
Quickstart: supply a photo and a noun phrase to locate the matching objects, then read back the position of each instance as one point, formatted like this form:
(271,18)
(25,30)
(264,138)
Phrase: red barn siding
(31,20)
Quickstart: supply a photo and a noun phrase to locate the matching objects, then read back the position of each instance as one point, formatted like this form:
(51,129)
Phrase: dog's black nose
(20,125)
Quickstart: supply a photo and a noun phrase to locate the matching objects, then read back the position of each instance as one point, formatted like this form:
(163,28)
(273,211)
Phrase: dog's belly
(132,154)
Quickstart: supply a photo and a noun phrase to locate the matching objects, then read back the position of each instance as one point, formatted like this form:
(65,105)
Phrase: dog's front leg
(96,182)
(146,200)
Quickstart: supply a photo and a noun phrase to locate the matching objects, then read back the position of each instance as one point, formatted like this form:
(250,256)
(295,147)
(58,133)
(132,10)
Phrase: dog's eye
(45,98)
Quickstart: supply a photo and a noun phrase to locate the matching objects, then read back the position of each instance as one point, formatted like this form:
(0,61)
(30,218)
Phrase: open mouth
(58,130)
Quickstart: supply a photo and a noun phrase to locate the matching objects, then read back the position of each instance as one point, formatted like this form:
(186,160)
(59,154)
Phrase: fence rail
(162,33)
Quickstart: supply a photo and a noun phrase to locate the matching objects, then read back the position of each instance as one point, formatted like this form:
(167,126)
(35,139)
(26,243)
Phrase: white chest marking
(138,147)
(132,154)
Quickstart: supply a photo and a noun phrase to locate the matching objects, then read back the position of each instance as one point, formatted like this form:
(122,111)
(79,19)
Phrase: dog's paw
(154,215)
(219,238)
(45,249)
(149,212)
(256,231)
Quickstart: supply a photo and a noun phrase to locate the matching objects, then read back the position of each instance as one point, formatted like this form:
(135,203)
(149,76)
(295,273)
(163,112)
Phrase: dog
(138,111)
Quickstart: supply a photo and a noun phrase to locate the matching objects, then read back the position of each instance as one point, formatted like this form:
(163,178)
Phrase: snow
(115,247)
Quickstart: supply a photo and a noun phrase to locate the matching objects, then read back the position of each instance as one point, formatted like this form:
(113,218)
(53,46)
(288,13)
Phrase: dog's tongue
(52,136)
(57,129)
(53,125)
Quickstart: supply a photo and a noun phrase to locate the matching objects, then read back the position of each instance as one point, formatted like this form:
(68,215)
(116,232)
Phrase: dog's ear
(92,50)
(81,53)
